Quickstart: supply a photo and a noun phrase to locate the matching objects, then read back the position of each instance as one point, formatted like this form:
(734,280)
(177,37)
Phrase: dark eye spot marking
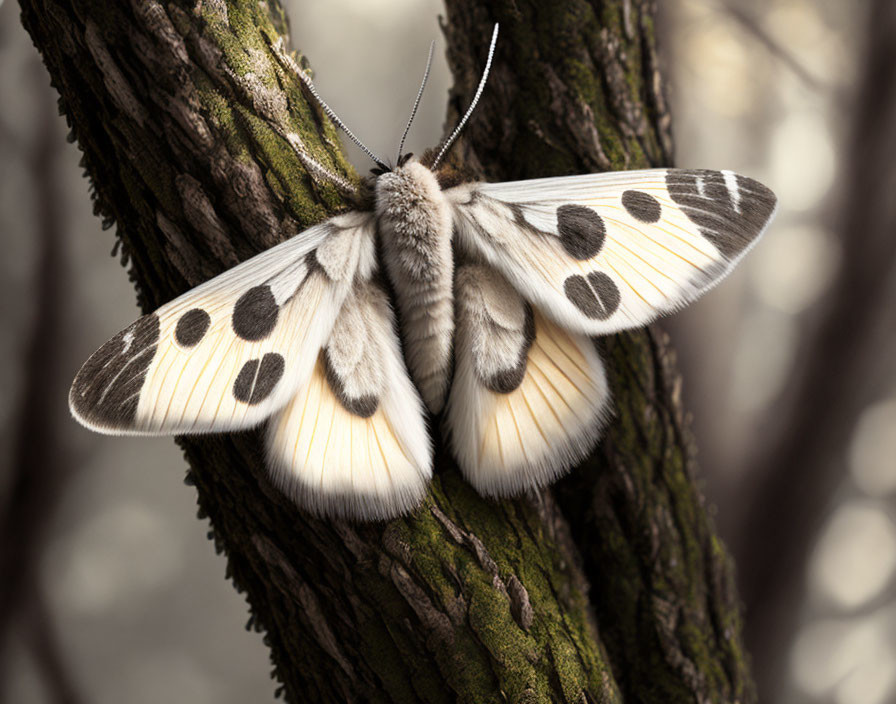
(191,327)
(256,381)
(596,296)
(506,381)
(255,314)
(642,206)
(582,231)
(314,266)
(363,406)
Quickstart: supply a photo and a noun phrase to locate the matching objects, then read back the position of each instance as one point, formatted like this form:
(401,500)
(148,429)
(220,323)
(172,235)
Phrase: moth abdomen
(427,327)
(415,224)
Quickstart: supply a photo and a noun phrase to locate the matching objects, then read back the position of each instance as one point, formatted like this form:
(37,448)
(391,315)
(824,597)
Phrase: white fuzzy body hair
(415,223)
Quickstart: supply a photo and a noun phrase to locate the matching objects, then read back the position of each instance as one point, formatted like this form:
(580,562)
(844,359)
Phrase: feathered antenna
(288,60)
(488,64)
(407,128)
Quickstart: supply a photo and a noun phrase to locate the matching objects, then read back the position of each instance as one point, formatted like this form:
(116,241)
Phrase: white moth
(498,289)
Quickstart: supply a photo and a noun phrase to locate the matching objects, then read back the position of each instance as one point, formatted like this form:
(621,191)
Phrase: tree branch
(37,469)
(174,110)
(180,110)
(581,94)
(750,24)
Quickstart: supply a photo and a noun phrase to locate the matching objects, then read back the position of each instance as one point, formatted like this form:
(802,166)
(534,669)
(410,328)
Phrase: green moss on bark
(467,600)
(661,583)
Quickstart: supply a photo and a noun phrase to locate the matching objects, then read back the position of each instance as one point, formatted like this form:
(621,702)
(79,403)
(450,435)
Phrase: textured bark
(576,88)
(179,110)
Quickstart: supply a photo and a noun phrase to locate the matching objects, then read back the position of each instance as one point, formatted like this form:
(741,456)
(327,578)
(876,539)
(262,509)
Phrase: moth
(473,305)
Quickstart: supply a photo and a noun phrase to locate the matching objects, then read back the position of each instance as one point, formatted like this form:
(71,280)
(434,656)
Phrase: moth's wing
(605,252)
(353,441)
(528,399)
(228,353)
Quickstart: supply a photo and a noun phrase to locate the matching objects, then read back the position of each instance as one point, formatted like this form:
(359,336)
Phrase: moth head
(410,180)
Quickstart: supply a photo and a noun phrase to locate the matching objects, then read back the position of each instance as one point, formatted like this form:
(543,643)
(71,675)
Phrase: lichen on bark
(181,111)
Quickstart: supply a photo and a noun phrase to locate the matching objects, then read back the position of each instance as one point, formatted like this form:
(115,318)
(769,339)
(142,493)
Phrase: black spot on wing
(191,327)
(582,231)
(245,381)
(257,380)
(313,264)
(642,206)
(255,314)
(508,380)
(363,406)
(730,220)
(107,389)
(595,295)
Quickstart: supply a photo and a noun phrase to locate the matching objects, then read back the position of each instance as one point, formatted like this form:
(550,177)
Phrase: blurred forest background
(788,367)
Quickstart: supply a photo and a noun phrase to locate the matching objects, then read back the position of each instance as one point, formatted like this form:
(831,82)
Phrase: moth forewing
(228,353)
(601,253)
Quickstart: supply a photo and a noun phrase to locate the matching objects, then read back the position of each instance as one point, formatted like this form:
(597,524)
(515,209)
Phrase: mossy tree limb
(576,88)
(180,109)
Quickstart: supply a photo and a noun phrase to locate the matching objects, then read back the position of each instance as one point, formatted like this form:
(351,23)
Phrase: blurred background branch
(843,366)
(39,464)
(746,16)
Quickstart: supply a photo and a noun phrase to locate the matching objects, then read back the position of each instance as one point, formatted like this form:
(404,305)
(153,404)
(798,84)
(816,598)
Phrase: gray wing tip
(349,504)
(758,200)
(730,210)
(106,390)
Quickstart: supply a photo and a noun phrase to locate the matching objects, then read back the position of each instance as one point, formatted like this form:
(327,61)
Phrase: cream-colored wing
(604,252)
(228,353)
(353,442)
(528,399)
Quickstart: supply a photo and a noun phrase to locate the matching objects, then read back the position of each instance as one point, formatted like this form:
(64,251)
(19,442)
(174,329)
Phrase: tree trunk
(180,110)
